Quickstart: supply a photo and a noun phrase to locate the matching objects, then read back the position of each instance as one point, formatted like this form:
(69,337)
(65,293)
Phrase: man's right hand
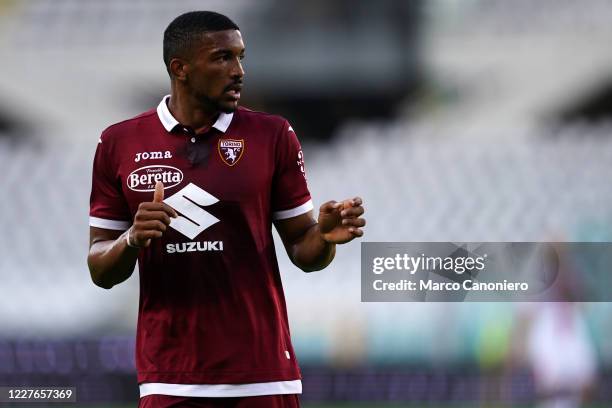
(151,219)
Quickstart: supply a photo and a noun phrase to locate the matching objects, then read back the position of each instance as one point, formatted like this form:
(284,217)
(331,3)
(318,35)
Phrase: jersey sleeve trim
(108,224)
(293,212)
(222,390)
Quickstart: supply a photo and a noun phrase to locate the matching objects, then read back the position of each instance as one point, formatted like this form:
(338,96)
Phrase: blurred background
(455,120)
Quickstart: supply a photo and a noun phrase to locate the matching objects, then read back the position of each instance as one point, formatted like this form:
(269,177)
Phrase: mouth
(233,91)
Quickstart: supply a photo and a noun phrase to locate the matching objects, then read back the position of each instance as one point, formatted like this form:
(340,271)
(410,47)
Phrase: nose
(237,70)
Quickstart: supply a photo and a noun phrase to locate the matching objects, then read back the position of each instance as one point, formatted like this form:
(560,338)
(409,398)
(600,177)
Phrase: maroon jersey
(212,310)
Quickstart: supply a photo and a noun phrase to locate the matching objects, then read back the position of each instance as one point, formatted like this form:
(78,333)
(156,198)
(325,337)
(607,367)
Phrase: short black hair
(186,29)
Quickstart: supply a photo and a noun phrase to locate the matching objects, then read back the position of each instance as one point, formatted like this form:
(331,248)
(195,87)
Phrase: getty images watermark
(455,272)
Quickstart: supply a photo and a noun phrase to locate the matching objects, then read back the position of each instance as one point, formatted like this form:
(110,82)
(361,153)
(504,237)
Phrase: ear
(179,68)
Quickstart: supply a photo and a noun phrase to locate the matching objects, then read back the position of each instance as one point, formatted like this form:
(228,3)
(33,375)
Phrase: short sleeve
(107,206)
(290,195)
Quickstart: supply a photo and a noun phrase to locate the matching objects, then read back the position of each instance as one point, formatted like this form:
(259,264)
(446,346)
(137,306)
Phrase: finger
(347,203)
(154,206)
(354,222)
(357,201)
(170,211)
(158,195)
(151,225)
(342,204)
(328,207)
(153,215)
(143,238)
(356,231)
(352,212)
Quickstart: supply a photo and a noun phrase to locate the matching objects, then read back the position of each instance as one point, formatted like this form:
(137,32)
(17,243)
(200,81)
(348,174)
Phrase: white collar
(169,121)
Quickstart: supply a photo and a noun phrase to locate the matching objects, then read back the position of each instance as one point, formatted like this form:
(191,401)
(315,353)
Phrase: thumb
(158,195)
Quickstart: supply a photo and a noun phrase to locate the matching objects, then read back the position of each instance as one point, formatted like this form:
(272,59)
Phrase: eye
(222,57)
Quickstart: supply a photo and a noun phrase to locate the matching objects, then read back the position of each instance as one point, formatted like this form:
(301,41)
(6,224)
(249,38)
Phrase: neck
(190,112)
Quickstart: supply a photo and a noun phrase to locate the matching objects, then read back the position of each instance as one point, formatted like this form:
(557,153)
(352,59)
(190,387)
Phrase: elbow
(97,277)
(102,284)
(313,264)
(310,268)
(98,281)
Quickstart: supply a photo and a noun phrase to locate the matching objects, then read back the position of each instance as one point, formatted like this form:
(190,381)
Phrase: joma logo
(153,155)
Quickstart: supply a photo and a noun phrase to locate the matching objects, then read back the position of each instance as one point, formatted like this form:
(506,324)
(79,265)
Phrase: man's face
(215,73)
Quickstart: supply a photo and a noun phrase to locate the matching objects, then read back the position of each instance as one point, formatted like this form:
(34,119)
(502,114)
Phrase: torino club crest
(231,150)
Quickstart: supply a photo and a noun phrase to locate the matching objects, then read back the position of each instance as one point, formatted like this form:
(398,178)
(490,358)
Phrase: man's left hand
(341,222)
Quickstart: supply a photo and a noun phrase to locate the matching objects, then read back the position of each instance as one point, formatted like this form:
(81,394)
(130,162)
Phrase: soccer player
(191,190)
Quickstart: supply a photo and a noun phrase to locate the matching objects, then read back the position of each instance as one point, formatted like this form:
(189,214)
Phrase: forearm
(111,261)
(312,252)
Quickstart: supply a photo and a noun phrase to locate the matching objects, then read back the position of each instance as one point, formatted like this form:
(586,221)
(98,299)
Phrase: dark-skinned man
(190,190)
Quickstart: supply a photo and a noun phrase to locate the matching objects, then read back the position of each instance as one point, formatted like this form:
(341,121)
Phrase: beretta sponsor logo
(145,178)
